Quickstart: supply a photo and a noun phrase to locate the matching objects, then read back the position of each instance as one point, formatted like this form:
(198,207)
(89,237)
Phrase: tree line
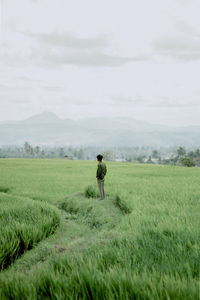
(171,155)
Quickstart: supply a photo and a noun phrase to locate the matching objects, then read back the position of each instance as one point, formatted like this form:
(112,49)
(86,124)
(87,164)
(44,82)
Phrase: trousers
(101,188)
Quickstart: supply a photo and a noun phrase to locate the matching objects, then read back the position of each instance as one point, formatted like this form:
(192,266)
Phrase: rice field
(59,241)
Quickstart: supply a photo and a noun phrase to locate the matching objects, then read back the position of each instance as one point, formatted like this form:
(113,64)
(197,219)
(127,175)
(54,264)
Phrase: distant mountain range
(49,129)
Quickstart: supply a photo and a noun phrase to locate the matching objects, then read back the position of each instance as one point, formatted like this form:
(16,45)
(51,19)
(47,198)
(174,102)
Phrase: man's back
(101,170)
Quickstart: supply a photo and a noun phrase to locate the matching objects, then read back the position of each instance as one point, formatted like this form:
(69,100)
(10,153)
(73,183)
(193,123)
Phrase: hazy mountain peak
(45,117)
(47,128)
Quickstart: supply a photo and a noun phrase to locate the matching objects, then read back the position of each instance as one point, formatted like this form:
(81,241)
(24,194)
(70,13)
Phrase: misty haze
(48,129)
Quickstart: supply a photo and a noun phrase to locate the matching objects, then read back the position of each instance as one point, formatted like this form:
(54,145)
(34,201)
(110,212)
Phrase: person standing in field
(101,172)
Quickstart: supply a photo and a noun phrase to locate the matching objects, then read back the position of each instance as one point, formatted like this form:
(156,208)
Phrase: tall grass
(91,192)
(88,211)
(123,204)
(23,223)
(117,270)
(4,189)
(141,242)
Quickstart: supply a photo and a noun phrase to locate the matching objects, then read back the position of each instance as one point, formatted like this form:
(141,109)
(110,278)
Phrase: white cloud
(179,47)
(66,39)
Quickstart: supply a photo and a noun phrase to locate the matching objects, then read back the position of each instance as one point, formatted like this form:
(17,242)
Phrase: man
(101,172)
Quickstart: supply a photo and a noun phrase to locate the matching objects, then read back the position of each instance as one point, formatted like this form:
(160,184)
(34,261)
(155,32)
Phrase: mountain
(48,129)
(43,118)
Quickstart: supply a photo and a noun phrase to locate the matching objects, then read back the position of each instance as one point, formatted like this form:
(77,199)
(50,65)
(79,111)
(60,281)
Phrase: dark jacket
(101,170)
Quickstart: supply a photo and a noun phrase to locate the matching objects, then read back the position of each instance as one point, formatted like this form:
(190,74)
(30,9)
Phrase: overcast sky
(94,58)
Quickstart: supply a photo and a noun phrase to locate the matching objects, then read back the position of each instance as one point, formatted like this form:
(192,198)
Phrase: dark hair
(99,157)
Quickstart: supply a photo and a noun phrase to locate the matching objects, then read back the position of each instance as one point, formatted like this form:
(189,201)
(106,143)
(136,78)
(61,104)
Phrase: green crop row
(23,223)
(144,268)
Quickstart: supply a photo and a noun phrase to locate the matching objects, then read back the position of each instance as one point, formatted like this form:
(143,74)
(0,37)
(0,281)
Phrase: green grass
(123,204)
(141,242)
(23,223)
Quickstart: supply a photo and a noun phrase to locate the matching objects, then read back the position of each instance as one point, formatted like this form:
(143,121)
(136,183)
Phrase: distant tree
(2,154)
(187,162)
(52,154)
(129,158)
(181,151)
(28,149)
(108,155)
(61,152)
(155,154)
(140,158)
(149,161)
(37,150)
(80,154)
(174,160)
(197,153)
(75,153)
(43,154)
(31,151)
(192,154)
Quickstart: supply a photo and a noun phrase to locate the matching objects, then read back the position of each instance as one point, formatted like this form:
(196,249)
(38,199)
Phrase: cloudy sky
(94,58)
